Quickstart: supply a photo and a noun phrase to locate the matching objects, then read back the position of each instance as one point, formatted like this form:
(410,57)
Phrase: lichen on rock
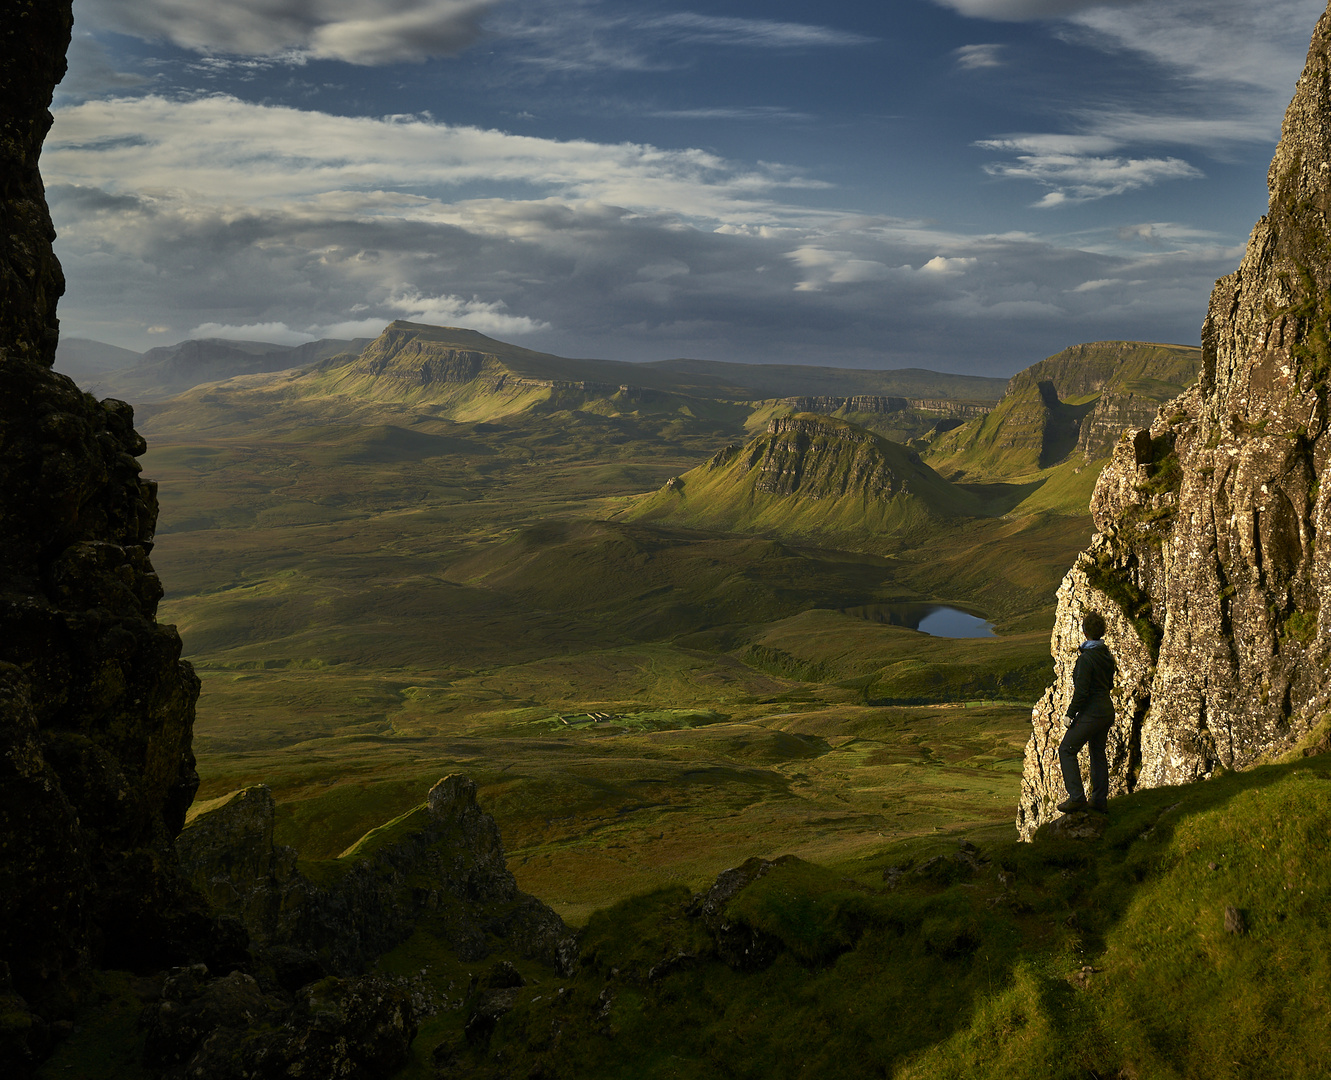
(1207,562)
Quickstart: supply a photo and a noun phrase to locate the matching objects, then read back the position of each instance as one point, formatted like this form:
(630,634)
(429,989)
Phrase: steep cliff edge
(96,707)
(1080,399)
(812,475)
(1211,556)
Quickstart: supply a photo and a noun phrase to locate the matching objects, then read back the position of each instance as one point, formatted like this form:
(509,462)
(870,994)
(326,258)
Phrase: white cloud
(693,29)
(945,267)
(218,146)
(1081,177)
(1230,64)
(977,57)
(217,216)
(489,317)
(357,31)
(277,332)
(1211,42)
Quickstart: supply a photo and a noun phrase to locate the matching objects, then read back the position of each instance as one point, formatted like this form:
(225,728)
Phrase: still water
(938,620)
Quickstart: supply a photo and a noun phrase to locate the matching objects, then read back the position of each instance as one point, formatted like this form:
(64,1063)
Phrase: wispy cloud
(215,214)
(746,113)
(693,29)
(1228,43)
(1230,64)
(589,35)
(217,147)
(357,31)
(1072,175)
(976,57)
(1024,10)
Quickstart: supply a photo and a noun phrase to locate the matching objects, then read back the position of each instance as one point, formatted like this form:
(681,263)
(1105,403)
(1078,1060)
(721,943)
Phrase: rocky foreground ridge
(1211,560)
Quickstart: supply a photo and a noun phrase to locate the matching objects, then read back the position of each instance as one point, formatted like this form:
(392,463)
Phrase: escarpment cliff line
(1211,556)
(96,707)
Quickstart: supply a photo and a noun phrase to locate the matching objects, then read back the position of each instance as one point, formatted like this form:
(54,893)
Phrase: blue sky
(966,185)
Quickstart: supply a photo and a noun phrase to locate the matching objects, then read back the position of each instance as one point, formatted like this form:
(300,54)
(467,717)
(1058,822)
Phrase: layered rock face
(96,708)
(817,458)
(1213,552)
(875,404)
(1079,399)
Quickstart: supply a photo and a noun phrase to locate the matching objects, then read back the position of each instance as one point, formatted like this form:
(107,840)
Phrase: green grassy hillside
(1138,367)
(1072,405)
(418,560)
(813,476)
(969,955)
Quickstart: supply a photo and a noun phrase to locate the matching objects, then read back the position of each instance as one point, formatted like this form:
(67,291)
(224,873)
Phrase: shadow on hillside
(999,499)
(932,960)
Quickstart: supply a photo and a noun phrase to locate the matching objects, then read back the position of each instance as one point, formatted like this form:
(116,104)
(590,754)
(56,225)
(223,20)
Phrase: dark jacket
(1092,681)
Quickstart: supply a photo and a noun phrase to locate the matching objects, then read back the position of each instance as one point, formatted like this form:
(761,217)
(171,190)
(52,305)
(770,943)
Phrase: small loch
(937,620)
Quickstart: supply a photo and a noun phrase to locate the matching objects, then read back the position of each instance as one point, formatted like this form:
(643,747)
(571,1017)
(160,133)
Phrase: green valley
(443,553)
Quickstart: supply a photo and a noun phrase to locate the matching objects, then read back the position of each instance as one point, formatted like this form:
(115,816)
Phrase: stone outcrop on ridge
(443,861)
(1078,400)
(96,726)
(1212,555)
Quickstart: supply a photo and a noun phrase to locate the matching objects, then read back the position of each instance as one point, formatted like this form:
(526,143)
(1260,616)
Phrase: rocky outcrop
(96,708)
(1210,560)
(228,1028)
(1081,399)
(443,861)
(1114,413)
(818,458)
(873,404)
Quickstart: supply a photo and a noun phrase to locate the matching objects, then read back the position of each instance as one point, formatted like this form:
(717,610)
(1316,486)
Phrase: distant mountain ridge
(171,369)
(1078,400)
(414,354)
(85,360)
(811,475)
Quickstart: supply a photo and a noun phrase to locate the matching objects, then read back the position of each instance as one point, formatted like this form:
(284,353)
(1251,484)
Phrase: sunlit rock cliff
(1212,552)
(811,475)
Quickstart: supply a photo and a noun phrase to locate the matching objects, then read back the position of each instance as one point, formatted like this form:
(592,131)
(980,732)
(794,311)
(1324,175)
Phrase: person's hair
(1093,626)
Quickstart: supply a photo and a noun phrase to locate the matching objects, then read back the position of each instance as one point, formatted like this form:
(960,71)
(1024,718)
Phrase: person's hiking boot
(1072,806)
(1100,808)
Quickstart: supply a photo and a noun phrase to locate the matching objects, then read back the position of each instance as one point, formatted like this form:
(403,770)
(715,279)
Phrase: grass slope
(1037,423)
(812,476)
(1058,959)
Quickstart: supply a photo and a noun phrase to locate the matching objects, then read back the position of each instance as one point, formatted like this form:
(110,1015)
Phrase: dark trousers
(1091,731)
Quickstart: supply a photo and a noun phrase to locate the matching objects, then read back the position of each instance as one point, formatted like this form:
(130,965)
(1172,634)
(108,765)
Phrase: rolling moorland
(441,553)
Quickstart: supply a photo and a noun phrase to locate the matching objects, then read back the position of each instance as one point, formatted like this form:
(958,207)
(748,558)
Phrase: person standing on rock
(1091,711)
